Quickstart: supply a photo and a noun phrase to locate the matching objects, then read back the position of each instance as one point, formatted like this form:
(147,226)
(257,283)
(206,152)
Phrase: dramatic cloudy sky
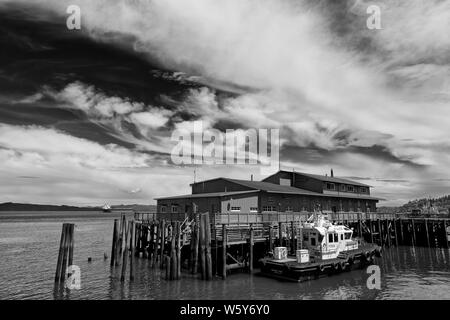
(86,116)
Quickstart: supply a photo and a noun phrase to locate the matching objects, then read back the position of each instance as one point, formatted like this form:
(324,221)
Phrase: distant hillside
(10,206)
(438,203)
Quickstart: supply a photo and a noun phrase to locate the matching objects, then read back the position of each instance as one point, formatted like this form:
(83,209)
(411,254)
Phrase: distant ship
(106,208)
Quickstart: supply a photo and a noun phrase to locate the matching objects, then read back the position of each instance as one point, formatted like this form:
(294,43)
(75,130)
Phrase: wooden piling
(168,267)
(124,251)
(196,244)
(250,263)
(178,274)
(163,241)
(445,233)
(157,231)
(71,244)
(380,232)
(426,230)
(371,231)
(292,238)
(173,255)
(114,242)
(395,231)
(388,232)
(208,247)
(65,253)
(401,231)
(202,248)
(132,241)
(224,251)
(280,234)
(59,265)
(270,238)
(414,232)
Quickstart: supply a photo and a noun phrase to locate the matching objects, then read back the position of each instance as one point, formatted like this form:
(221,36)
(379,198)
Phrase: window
(363,190)
(253,209)
(175,208)
(313,241)
(336,237)
(330,186)
(343,187)
(305,237)
(350,189)
(163,208)
(330,237)
(288,208)
(348,235)
(269,208)
(342,236)
(235,208)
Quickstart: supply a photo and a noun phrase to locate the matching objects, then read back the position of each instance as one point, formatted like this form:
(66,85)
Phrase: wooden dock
(213,245)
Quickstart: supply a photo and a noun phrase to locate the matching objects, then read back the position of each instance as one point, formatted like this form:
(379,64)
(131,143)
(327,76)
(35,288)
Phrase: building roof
(207,195)
(270,188)
(328,178)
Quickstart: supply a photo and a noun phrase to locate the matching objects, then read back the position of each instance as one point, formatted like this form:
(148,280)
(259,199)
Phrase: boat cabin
(325,240)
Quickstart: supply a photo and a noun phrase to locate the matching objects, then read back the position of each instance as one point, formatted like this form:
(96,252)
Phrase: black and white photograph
(237,151)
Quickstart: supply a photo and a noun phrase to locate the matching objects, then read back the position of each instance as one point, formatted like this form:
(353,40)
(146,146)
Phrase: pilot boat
(325,248)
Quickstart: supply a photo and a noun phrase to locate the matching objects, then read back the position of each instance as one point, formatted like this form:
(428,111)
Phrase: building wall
(305,182)
(185,205)
(244,201)
(298,203)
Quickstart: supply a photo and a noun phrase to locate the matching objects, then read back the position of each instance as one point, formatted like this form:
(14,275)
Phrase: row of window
(345,188)
(175,208)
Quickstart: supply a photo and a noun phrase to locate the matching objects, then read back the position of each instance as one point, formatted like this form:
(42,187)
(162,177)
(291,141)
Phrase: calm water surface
(29,244)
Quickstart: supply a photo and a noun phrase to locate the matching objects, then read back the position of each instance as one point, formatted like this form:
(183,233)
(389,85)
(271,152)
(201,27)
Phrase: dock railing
(246,218)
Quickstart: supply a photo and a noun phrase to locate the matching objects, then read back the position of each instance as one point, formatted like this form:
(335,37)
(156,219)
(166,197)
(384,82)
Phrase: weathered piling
(168,267)
(280,234)
(202,248)
(292,238)
(380,232)
(426,231)
(71,244)
(156,237)
(224,251)
(270,238)
(163,241)
(124,251)
(114,242)
(208,247)
(413,232)
(60,253)
(178,250)
(132,241)
(251,240)
(196,245)
(173,255)
(395,232)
